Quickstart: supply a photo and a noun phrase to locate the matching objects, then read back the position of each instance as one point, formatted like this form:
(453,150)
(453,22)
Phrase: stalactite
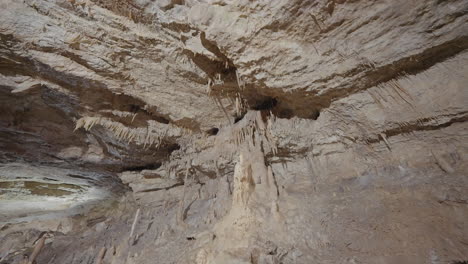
(140,136)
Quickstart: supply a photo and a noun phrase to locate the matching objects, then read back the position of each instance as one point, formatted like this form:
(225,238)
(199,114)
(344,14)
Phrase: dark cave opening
(150,166)
(212,131)
(266,103)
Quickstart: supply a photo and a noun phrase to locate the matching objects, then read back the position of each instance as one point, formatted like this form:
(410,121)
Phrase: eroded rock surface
(328,131)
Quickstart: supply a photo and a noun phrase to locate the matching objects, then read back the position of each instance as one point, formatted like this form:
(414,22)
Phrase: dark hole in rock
(265,104)
(238,118)
(315,114)
(212,131)
(134,108)
(173,147)
(191,238)
(161,119)
(152,166)
(460,262)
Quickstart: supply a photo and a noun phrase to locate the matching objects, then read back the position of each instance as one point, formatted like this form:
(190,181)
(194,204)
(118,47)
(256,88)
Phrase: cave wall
(329,131)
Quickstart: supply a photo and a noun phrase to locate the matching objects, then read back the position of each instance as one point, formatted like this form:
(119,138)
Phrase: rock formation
(222,131)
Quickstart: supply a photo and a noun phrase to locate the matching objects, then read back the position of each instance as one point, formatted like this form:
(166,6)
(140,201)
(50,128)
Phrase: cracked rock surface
(212,132)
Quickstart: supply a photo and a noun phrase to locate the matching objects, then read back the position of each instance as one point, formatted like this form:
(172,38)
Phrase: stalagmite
(37,249)
(384,137)
(132,230)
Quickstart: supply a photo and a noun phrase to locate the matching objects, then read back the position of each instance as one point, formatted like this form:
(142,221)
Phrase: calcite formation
(222,131)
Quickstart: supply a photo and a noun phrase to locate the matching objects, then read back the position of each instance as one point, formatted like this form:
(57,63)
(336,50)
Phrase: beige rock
(325,131)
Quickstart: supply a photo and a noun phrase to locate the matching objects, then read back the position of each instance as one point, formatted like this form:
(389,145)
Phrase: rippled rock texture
(184,131)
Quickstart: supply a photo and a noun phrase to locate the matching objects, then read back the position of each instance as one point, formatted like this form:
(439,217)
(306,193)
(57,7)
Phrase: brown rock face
(218,132)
